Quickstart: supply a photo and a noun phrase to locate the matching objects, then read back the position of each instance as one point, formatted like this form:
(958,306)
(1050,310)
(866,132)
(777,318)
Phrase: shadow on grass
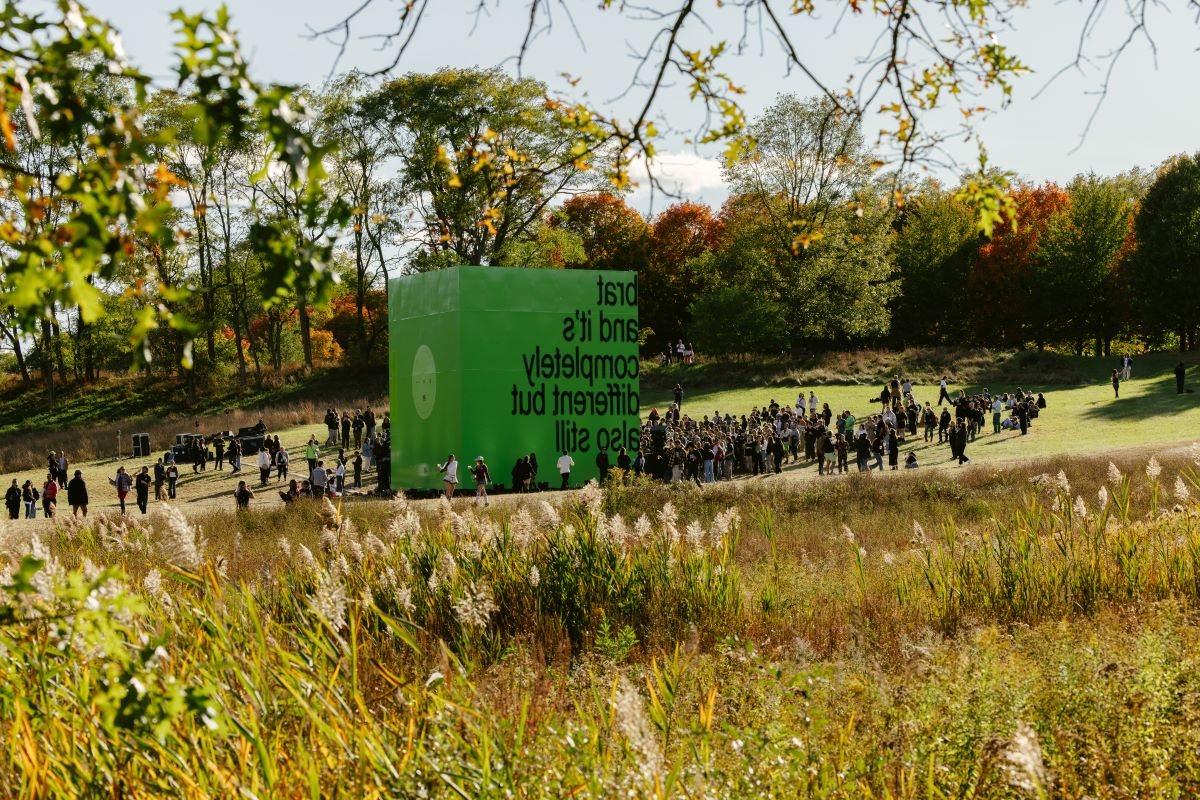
(1155,399)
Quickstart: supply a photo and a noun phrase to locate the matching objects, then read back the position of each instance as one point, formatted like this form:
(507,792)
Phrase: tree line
(815,247)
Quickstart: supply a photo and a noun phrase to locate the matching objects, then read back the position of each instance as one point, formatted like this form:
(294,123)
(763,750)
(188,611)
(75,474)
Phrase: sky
(1150,112)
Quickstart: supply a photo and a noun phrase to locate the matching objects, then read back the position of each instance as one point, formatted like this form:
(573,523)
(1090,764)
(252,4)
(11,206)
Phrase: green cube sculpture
(504,362)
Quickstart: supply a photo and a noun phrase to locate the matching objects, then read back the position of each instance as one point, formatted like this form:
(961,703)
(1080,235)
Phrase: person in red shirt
(50,495)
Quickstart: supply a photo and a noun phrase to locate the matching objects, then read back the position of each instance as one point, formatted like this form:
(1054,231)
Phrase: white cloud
(687,174)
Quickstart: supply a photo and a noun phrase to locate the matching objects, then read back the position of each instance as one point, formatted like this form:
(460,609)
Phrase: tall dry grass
(912,638)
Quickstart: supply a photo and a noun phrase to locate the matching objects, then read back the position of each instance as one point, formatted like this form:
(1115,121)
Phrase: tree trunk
(235,308)
(59,362)
(14,339)
(47,361)
(360,295)
(305,331)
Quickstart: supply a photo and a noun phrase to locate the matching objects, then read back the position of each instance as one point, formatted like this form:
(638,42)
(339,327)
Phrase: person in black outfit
(142,486)
(777,452)
(235,455)
(243,496)
(962,443)
(624,462)
(603,465)
(893,444)
(679,396)
(12,500)
(77,494)
(944,426)
(383,463)
(1023,417)
(862,451)
(533,470)
(160,477)
(219,445)
(1180,371)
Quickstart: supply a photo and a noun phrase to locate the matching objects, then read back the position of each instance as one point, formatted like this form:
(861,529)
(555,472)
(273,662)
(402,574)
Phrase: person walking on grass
(311,451)
(1180,372)
(12,500)
(219,447)
(1126,367)
(565,462)
(339,476)
(172,479)
(943,395)
(1116,384)
(482,478)
(160,477)
(357,463)
(29,495)
(77,495)
(264,466)
(122,482)
(142,489)
(243,496)
(50,495)
(281,463)
(450,468)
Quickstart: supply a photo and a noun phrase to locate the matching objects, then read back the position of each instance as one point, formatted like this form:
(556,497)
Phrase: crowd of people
(676,446)
(344,471)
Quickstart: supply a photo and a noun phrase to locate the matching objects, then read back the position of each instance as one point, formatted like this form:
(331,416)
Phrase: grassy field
(87,417)
(1022,627)
(1080,420)
(984,633)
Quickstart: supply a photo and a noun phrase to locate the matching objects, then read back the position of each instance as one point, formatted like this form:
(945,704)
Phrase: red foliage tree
(999,280)
(673,279)
(614,235)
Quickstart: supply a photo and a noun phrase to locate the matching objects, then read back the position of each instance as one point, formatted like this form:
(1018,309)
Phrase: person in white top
(451,479)
(264,465)
(339,477)
(565,462)
(942,393)
(997,411)
(813,405)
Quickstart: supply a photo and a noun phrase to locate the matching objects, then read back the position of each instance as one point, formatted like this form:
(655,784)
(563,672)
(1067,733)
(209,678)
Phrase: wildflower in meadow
(1181,491)
(1080,508)
(1153,469)
(636,729)
(1114,475)
(329,599)
(1024,768)
(1102,496)
(475,607)
(182,545)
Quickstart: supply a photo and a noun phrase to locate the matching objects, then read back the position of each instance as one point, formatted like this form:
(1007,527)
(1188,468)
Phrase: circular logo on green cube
(424,381)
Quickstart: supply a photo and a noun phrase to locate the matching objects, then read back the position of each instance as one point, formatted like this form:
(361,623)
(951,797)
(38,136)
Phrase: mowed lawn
(1079,420)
